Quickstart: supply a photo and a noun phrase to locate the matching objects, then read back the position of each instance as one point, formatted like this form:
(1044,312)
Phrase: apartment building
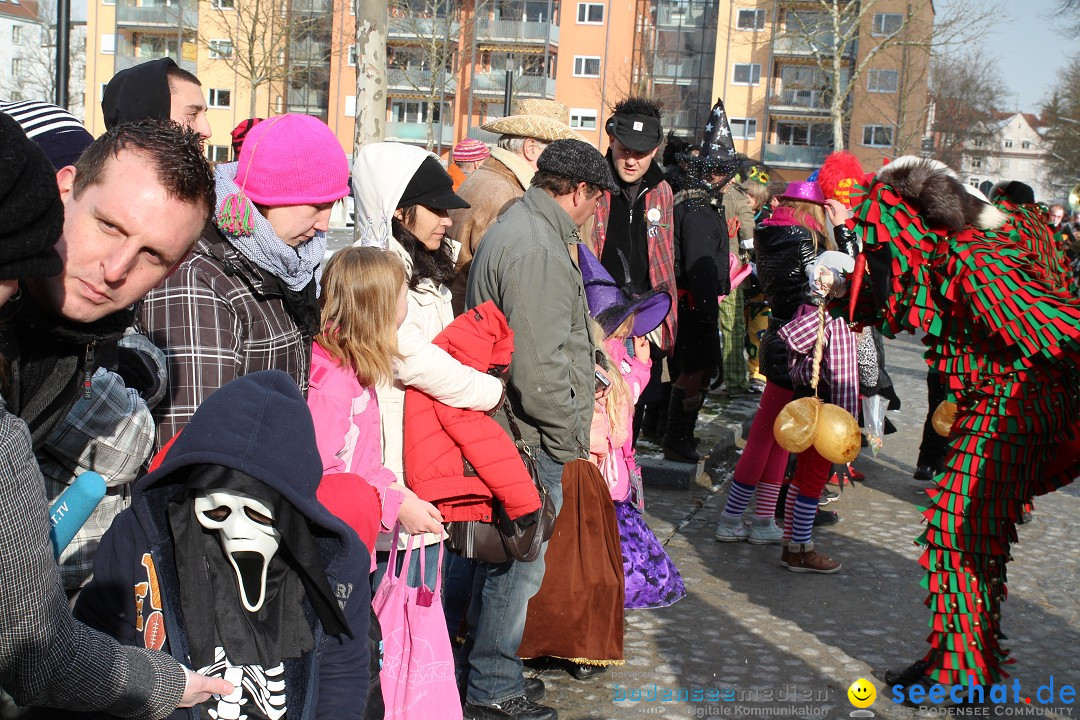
(774,64)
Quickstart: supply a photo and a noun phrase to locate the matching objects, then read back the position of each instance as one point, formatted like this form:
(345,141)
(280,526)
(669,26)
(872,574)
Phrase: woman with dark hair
(402,196)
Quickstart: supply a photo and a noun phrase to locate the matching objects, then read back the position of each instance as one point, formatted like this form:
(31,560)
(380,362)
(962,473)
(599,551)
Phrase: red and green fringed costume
(1002,328)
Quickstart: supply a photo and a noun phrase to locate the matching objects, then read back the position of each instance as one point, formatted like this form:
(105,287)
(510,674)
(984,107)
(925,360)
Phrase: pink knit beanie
(469,150)
(286,160)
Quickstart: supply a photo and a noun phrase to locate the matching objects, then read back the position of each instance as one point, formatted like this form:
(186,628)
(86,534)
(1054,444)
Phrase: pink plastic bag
(417,673)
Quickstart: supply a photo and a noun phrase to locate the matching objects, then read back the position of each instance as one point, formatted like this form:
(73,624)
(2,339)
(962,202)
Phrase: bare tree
(1062,118)
(427,62)
(264,41)
(36,52)
(964,87)
(829,32)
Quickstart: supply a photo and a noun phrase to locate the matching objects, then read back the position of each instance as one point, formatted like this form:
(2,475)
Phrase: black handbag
(503,539)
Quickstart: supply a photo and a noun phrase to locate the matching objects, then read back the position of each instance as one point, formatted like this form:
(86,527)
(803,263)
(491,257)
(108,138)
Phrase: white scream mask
(245,527)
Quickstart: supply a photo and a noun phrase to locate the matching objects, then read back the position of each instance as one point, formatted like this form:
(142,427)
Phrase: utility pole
(372,24)
(63,39)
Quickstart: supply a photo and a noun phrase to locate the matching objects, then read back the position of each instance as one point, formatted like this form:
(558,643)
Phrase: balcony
(799,102)
(419,27)
(417,132)
(524,85)
(681,70)
(417,80)
(309,52)
(313,7)
(516,32)
(484,136)
(682,15)
(161,16)
(796,45)
(124,61)
(808,156)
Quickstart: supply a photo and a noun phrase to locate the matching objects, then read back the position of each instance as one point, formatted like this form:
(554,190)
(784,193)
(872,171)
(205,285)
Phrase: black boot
(678,443)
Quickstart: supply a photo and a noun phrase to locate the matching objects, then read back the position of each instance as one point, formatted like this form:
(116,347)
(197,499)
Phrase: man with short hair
(115,247)
(525,266)
(633,223)
(159,89)
(502,178)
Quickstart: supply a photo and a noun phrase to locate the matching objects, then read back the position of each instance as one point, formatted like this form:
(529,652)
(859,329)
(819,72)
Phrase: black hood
(138,93)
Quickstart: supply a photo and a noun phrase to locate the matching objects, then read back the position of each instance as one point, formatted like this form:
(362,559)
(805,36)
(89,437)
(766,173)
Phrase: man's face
(630,164)
(188,107)
(296,224)
(1056,216)
(122,236)
(586,199)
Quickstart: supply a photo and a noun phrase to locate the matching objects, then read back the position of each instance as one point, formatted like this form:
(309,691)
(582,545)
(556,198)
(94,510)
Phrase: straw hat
(545,120)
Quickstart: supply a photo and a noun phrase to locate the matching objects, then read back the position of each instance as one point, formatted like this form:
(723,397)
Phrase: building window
(1008,143)
(882,81)
(1025,144)
(218,153)
(976,162)
(974,182)
(101,91)
(108,2)
(220,98)
(746,74)
(979,142)
(585,66)
(350,106)
(751,19)
(223,4)
(589,13)
(582,119)
(16,67)
(743,128)
(877,135)
(352,55)
(16,34)
(815,134)
(887,23)
(108,44)
(220,49)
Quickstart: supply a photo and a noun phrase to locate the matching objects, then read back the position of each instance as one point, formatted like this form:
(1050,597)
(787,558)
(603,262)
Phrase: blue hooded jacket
(259,425)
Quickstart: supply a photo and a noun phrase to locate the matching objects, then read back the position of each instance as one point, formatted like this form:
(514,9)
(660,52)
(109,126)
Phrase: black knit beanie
(31,214)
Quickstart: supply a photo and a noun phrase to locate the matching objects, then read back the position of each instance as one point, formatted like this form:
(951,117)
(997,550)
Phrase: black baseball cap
(431,186)
(637,132)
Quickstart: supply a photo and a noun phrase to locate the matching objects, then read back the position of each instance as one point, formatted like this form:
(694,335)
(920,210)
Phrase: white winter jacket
(427,367)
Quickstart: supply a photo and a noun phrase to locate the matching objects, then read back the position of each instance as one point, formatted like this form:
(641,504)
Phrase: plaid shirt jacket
(216,319)
(661,239)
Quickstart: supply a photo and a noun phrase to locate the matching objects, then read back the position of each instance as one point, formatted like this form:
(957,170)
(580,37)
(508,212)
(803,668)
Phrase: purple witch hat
(610,305)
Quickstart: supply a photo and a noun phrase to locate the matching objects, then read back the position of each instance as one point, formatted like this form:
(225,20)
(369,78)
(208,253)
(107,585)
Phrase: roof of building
(20,9)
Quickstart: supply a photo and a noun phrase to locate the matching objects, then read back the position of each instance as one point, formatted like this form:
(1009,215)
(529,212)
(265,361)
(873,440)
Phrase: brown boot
(803,559)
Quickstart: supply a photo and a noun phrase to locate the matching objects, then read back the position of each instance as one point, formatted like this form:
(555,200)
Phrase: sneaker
(581,671)
(784,555)
(517,708)
(827,496)
(757,386)
(809,561)
(731,530)
(825,518)
(764,532)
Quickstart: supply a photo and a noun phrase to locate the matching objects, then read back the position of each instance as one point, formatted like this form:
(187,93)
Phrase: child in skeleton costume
(1006,334)
(227,561)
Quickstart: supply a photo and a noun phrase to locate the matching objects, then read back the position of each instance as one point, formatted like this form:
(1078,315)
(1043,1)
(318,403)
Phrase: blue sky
(1031,47)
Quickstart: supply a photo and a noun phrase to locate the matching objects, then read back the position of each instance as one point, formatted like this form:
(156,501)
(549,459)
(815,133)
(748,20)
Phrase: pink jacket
(347,429)
(612,448)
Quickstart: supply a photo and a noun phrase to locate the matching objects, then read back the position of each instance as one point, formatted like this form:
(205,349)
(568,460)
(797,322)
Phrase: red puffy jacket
(440,439)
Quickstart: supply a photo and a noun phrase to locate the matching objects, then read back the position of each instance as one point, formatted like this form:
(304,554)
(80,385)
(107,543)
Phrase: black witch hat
(717,147)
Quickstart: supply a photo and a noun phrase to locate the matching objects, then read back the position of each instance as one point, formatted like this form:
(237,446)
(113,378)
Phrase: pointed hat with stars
(717,146)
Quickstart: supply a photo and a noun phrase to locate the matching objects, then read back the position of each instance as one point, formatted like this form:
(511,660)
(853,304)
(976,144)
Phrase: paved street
(776,644)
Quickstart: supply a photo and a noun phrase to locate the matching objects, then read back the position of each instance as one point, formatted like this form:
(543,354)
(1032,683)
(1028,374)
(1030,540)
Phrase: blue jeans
(458,575)
(496,617)
(431,566)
